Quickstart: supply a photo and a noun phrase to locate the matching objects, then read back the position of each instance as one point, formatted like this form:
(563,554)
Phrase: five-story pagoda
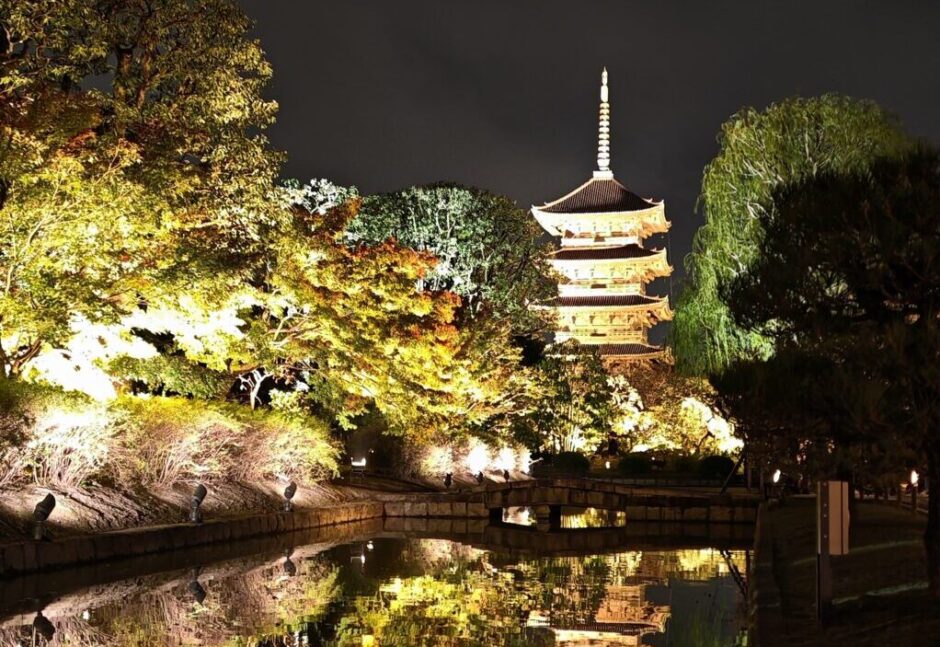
(602,299)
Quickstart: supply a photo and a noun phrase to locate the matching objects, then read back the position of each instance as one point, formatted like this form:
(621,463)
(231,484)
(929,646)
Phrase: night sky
(503,94)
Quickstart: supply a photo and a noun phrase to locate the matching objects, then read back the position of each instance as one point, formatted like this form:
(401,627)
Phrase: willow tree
(133,163)
(761,151)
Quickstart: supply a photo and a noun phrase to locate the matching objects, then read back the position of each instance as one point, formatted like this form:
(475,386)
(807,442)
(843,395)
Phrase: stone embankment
(32,556)
(468,511)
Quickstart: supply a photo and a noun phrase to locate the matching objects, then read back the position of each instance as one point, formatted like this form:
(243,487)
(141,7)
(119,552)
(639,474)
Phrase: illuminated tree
(793,140)
(573,409)
(352,325)
(133,164)
(662,409)
(488,249)
(848,279)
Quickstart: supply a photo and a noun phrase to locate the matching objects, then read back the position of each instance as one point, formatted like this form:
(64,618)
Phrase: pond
(367,585)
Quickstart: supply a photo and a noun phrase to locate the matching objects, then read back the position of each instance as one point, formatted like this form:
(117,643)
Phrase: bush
(58,439)
(175,439)
(63,440)
(683,464)
(635,464)
(571,463)
(715,467)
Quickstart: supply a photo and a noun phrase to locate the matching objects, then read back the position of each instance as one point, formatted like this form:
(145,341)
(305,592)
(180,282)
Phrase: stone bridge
(639,503)
(527,541)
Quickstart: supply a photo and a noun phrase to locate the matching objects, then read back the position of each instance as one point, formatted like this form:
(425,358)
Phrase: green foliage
(132,164)
(635,464)
(171,375)
(853,303)
(488,249)
(792,141)
(660,409)
(144,244)
(849,277)
(572,407)
(351,324)
(571,463)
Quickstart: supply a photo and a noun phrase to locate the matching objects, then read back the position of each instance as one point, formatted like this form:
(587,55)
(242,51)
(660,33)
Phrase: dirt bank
(98,508)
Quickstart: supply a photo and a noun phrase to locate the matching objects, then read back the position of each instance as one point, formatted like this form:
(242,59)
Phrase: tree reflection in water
(415,593)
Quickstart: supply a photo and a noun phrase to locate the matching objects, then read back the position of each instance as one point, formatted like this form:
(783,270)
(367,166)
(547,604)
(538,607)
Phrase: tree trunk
(932,534)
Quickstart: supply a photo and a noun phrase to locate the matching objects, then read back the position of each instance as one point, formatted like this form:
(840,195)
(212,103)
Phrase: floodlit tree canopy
(133,162)
(488,249)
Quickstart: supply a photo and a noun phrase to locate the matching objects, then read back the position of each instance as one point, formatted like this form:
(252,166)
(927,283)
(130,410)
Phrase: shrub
(296,447)
(571,463)
(62,440)
(169,440)
(683,464)
(58,439)
(715,467)
(635,464)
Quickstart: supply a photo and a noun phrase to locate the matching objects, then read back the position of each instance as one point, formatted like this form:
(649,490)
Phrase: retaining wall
(31,556)
(638,503)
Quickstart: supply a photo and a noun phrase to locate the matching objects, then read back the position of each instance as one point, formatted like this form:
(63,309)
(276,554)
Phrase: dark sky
(502,94)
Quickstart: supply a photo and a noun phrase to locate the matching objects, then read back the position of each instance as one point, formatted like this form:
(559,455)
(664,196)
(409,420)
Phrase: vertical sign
(832,537)
(832,507)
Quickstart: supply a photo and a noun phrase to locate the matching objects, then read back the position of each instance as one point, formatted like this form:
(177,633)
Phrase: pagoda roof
(599,195)
(602,253)
(606,300)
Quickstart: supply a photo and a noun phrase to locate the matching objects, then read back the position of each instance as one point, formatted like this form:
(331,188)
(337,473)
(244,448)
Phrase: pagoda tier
(602,210)
(608,319)
(624,267)
(603,264)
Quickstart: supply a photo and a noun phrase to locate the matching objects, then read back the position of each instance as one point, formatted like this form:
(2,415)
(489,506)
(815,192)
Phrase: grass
(878,586)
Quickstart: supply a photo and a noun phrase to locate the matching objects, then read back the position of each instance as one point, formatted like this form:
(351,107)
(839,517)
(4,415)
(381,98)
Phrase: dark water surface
(381,584)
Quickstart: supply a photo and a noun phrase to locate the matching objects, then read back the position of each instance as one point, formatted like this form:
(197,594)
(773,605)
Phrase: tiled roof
(606,300)
(598,195)
(601,253)
(622,350)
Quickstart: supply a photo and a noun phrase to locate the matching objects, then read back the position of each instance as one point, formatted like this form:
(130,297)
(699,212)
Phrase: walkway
(879,587)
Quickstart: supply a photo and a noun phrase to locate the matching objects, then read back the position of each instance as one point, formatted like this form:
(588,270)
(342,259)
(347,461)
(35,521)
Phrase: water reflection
(571,518)
(384,591)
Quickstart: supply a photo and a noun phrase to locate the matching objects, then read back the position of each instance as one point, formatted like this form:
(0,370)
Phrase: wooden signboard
(832,516)
(832,538)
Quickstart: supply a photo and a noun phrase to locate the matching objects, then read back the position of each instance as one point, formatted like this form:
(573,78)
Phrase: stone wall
(30,556)
(638,503)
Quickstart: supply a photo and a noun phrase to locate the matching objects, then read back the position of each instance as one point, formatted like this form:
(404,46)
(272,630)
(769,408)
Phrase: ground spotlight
(290,569)
(289,493)
(195,510)
(40,514)
(195,588)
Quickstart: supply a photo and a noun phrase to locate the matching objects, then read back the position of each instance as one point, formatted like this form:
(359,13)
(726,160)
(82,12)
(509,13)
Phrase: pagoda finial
(603,133)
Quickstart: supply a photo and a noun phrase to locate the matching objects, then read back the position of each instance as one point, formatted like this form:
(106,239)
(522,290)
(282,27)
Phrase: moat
(373,583)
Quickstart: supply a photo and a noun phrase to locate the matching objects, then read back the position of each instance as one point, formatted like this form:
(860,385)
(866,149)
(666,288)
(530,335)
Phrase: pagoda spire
(603,133)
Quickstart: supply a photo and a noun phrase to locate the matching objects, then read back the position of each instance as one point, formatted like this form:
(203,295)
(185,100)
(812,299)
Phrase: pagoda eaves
(602,301)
